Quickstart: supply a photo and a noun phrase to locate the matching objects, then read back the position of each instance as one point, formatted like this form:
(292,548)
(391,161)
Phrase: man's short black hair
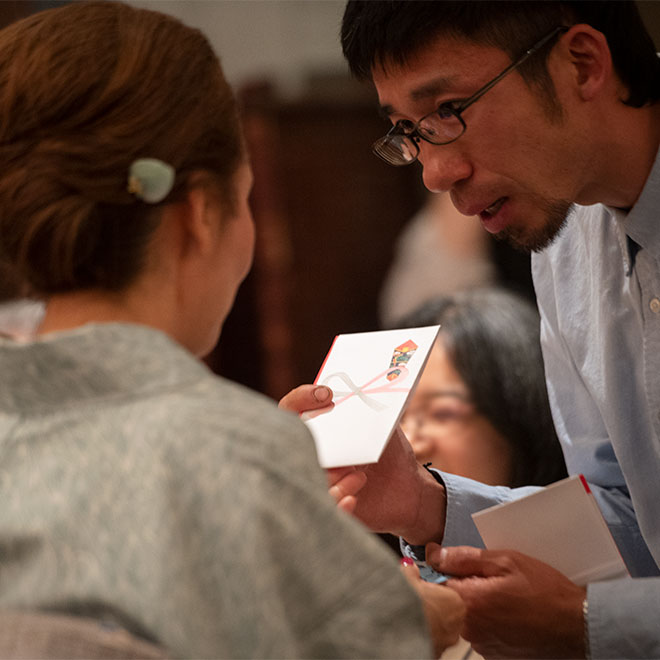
(382,32)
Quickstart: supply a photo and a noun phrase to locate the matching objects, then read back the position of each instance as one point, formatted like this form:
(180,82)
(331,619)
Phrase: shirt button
(654,305)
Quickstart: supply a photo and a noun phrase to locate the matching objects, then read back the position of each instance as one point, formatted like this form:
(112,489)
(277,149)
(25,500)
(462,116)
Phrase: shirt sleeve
(465,497)
(623,618)
(623,614)
(617,509)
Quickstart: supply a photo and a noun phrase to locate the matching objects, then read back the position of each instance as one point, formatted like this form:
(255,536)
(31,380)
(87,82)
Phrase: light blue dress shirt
(598,290)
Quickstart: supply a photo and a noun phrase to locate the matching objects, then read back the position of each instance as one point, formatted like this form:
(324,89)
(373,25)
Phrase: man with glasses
(542,118)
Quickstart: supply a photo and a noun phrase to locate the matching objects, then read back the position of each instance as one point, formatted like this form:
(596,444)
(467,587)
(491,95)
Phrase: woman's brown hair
(85,89)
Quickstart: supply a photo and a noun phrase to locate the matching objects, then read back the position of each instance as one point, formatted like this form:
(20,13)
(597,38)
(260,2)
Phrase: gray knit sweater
(135,484)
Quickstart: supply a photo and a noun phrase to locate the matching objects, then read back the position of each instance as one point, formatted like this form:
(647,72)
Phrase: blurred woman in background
(481,408)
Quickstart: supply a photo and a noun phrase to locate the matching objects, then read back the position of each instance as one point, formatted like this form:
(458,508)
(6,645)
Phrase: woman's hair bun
(87,89)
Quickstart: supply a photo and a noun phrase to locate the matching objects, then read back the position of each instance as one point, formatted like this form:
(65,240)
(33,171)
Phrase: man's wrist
(429,524)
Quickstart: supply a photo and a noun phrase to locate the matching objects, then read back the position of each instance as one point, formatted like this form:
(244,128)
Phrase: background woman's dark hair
(492,339)
(378,32)
(85,89)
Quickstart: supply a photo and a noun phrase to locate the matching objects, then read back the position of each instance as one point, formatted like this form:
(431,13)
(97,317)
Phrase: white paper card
(372,374)
(560,525)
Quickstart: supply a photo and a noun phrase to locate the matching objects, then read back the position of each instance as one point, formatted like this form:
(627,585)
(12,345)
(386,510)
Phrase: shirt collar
(629,247)
(640,224)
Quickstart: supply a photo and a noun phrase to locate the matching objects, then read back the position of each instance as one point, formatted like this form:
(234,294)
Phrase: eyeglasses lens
(440,128)
(396,149)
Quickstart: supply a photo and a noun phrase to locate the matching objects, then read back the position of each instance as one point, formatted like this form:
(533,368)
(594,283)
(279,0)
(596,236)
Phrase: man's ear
(589,55)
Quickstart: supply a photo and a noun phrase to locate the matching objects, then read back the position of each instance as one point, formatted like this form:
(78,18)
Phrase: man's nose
(443,166)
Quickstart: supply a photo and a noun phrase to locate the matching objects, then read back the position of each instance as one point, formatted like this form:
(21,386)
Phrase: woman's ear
(201,215)
(588,53)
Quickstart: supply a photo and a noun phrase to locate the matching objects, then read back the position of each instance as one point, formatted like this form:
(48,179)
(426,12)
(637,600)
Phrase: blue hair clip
(150,179)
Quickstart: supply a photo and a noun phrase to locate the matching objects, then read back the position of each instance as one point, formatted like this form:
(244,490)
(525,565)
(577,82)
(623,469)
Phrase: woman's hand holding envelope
(444,608)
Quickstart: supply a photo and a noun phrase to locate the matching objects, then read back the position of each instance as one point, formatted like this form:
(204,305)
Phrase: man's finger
(306,397)
(337,474)
(347,504)
(465,561)
(348,486)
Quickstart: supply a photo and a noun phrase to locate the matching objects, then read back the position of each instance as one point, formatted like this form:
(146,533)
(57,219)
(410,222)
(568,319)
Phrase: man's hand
(307,398)
(517,606)
(443,608)
(395,495)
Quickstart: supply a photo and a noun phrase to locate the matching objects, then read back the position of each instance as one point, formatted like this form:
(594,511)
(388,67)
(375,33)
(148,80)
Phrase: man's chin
(527,240)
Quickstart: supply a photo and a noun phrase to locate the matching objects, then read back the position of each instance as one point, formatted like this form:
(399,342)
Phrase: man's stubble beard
(536,240)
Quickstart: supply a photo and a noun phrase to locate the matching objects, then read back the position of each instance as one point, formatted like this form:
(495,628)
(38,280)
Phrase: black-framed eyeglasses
(445,124)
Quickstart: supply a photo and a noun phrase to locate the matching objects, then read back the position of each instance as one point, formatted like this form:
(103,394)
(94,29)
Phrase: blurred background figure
(481,407)
(19,315)
(19,319)
(439,251)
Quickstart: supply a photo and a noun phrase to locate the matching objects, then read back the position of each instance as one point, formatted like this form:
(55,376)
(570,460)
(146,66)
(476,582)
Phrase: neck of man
(625,154)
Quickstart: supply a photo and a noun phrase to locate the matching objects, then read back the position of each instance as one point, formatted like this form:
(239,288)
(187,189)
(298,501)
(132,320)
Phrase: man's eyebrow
(421,93)
(431,88)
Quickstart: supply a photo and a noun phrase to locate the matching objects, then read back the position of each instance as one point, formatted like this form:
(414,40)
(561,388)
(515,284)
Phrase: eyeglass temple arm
(476,96)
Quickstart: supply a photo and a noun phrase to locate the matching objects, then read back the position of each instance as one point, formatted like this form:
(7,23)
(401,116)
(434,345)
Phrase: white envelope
(561,525)
(372,374)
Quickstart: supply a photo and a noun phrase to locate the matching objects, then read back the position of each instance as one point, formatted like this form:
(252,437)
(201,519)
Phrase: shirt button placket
(647,271)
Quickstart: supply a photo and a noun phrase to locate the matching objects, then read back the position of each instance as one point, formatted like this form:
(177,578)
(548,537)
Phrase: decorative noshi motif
(401,357)
(394,374)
